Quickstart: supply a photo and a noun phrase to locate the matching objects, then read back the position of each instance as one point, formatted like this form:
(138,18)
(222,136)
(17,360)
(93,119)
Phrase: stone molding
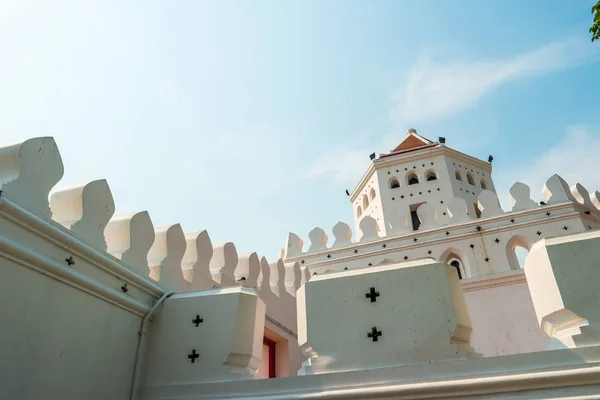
(524,376)
(71,277)
(67,241)
(416,155)
(495,280)
(389,240)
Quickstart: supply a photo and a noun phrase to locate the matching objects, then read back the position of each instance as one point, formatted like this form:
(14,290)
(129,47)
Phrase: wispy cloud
(435,89)
(343,163)
(572,158)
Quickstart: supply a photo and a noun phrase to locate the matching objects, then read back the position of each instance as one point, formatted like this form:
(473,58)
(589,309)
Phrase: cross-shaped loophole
(193,356)
(372,295)
(374,334)
(197,321)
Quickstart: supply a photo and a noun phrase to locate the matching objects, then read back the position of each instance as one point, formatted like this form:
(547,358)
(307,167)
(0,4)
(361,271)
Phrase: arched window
(456,264)
(358,211)
(394,184)
(372,193)
(454,257)
(365,201)
(458,176)
(517,249)
(430,175)
(412,178)
(483,184)
(470,179)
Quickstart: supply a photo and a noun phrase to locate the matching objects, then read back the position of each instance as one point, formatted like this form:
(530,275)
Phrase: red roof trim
(412,140)
(409,150)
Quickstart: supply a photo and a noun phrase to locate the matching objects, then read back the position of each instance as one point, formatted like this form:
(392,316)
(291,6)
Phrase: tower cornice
(436,149)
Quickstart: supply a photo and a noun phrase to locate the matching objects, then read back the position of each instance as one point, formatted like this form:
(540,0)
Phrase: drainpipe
(138,352)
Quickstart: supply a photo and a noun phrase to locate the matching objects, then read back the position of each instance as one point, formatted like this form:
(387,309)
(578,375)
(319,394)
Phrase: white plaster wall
(57,342)
(494,241)
(464,189)
(503,316)
(392,211)
(420,310)
(374,209)
(228,340)
(396,202)
(559,374)
(563,274)
(504,321)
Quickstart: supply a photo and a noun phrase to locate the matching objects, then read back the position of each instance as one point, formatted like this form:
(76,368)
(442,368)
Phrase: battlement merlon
(449,226)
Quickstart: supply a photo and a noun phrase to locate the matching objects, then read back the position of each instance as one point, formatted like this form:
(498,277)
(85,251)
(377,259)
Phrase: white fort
(432,299)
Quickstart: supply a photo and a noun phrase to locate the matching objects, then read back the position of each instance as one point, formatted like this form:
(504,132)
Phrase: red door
(269,351)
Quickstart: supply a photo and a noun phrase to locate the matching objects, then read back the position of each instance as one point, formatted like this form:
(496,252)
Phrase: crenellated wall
(565,210)
(97,306)
(81,289)
(484,249)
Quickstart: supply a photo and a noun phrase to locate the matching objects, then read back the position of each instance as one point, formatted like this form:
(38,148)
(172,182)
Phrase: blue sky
(251,118)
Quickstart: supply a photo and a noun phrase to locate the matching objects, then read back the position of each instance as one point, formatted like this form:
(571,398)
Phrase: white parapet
(248,270)
(488,204)
(129,238)
(369,229)
(457,209)
(85,209)
(196,260)
(556,190)
(293,245)
(343,234)
(209,336)
(29,170)
(264,279)
(278,277)
(165,257)
(223,264)
(520,196)
(407,313)
(306,275)
(582,195)
(563,275)
(318,240)
(595,199)
(293,277)
(426,214)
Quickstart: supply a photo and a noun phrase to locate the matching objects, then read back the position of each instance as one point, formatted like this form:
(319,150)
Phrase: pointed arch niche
(394,183)
(455,258)
(412,178)
(430,175)
(517,249)
(470,179)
